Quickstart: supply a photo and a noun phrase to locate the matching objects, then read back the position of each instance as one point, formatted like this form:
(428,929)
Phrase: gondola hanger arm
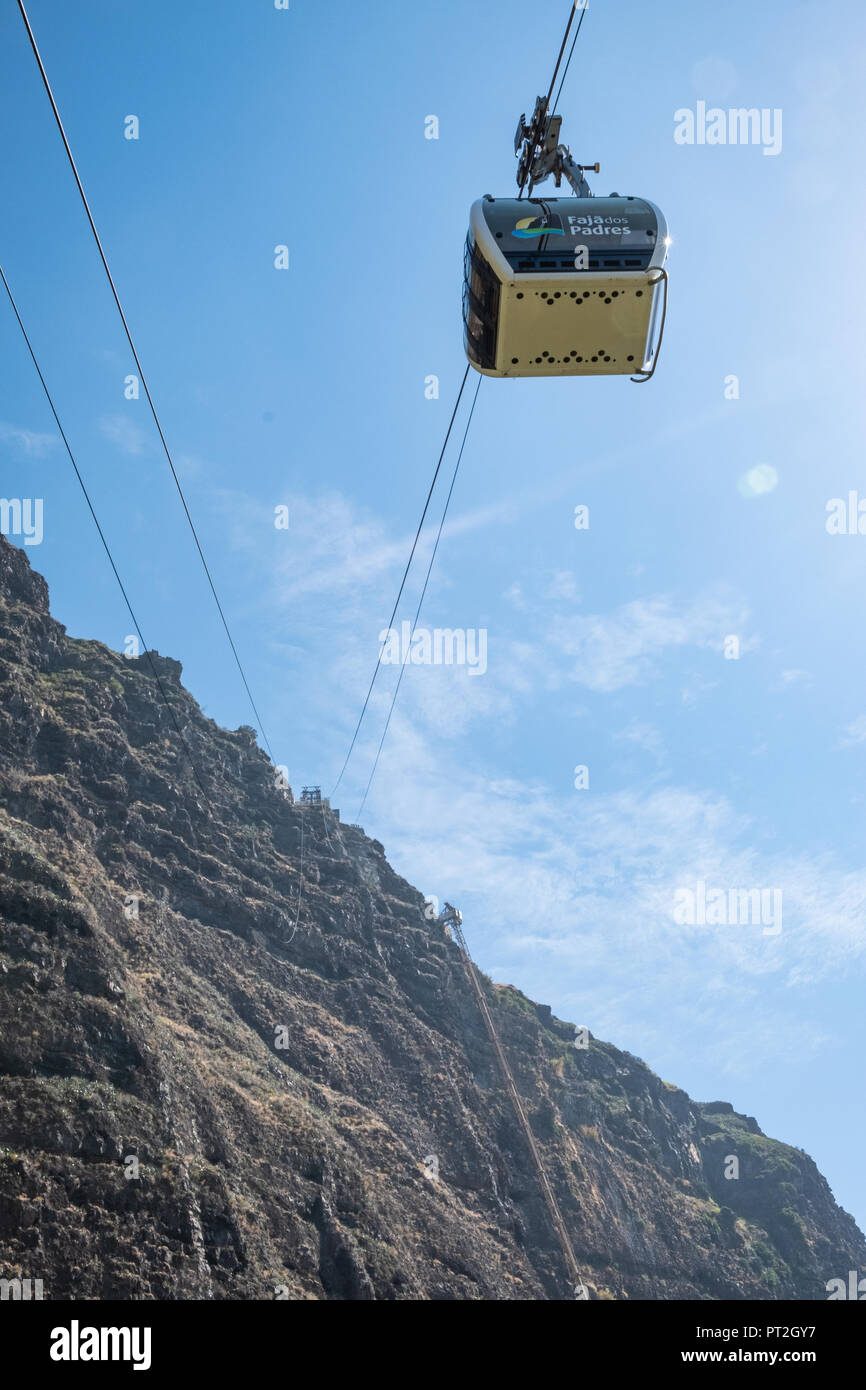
(542,156)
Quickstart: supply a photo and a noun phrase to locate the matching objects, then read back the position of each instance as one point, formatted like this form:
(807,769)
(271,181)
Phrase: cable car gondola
(563,286)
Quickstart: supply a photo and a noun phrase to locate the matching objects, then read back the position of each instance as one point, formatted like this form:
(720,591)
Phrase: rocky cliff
(236,1066)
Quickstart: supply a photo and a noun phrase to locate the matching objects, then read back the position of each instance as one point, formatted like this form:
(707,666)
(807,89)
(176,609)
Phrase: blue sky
(306,388)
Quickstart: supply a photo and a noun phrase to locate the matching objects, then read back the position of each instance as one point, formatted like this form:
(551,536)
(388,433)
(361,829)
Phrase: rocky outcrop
(233,1069)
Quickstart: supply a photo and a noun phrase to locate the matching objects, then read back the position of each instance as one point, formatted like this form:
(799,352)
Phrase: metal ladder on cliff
(549,1195)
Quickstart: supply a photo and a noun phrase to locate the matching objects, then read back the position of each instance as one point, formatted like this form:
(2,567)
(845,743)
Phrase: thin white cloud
(124,433)
(622,648)
(795,675)
(29,442)
(697,686)
(335,548)
(643,735)
(854,733)
(563,586)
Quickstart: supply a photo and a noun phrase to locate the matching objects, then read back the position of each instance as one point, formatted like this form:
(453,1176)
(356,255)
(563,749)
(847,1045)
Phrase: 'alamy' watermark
(22,516)
(77,1343)
(856,1289)
(21,1290)
(441,647)
(737,126)
(732,907)
(846,517)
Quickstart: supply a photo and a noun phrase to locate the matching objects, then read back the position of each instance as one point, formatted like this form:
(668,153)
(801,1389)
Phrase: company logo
(548,225)
(594,224)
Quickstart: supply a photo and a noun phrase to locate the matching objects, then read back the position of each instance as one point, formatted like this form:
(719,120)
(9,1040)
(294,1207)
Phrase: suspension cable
(544,109)
(420,602)
(145,648)
(405,576)
(142,377)
(583,11)
(561,52)
(582,5)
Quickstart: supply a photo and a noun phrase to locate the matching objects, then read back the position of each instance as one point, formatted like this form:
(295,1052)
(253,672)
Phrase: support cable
(106,547)
(405,576)
(142,377)
(570,55)
(561,52)
(420,602)
(546,106)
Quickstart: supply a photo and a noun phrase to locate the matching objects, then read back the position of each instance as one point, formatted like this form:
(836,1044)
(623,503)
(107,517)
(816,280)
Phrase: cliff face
(232,1070)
